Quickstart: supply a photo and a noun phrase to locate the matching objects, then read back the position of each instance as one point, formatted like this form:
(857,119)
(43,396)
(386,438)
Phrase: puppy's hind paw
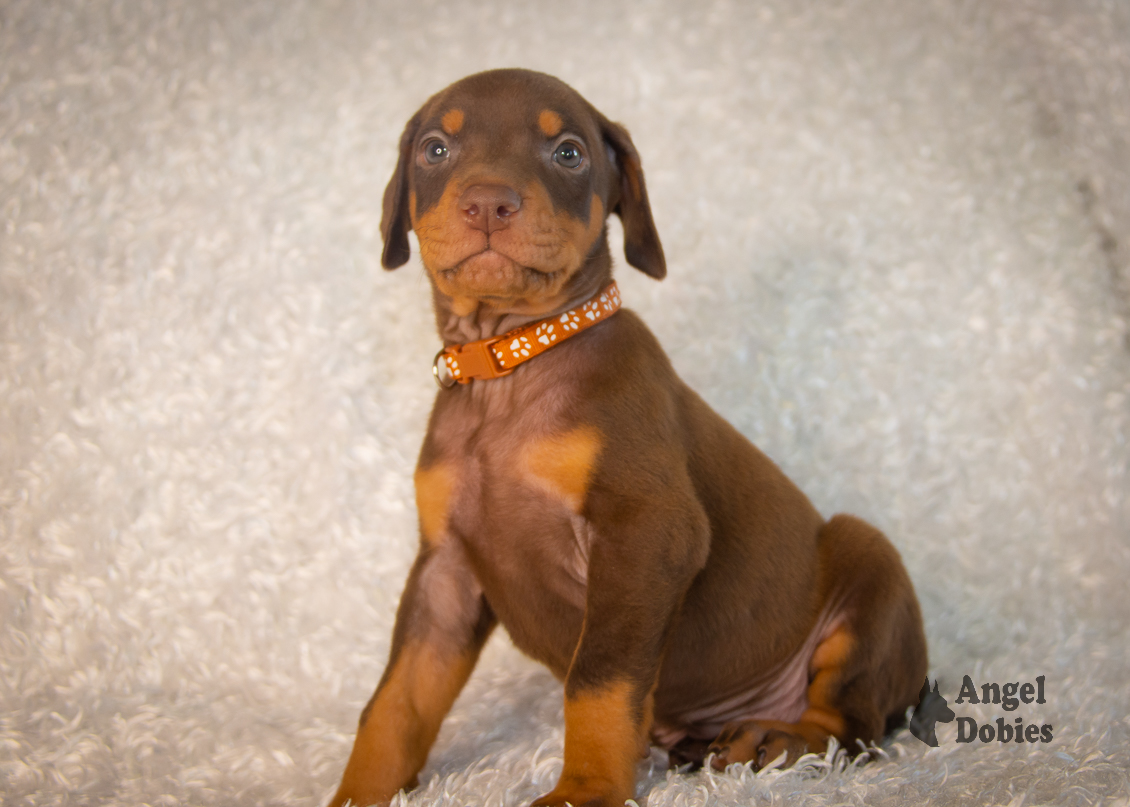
(752,741)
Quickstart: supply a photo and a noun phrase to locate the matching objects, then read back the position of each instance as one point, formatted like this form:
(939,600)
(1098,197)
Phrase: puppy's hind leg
(862,676)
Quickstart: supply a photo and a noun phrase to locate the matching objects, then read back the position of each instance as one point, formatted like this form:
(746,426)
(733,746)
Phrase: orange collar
(499,355)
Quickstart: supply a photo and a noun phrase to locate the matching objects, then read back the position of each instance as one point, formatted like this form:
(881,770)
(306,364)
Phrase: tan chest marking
(434,487)
(562,465)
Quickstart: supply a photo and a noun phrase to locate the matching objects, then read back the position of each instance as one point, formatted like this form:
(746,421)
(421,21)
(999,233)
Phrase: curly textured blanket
(898,236)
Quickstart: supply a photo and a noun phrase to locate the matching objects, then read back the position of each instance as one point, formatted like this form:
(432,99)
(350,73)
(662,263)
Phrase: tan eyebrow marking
(452,121)
(550,123)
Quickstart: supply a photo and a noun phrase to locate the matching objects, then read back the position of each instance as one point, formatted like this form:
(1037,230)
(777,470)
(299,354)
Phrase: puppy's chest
(512,494)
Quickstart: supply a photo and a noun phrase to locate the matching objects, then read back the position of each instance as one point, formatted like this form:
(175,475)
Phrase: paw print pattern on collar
(498,356)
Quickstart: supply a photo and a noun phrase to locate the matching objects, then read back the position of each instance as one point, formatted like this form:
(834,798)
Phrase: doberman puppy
(571,487)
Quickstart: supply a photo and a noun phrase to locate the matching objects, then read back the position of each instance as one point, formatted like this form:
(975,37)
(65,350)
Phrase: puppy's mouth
(493,277)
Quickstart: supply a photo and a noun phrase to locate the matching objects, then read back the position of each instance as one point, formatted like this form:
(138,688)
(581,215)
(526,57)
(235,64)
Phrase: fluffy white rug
(898,244)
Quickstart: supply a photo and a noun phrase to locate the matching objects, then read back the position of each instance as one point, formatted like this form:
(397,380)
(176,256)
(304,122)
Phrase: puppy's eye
(435,151)
(568,154)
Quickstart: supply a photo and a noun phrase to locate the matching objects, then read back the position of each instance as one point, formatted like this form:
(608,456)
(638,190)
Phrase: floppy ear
(395,219)
(641,240)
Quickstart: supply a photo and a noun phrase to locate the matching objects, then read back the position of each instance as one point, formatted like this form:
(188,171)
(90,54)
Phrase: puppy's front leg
(441,625)
(644,556)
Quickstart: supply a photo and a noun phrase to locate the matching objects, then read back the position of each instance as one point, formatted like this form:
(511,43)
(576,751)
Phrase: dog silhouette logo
(932,708)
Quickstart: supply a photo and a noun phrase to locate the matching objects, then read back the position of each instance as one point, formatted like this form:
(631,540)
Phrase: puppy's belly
(780,693)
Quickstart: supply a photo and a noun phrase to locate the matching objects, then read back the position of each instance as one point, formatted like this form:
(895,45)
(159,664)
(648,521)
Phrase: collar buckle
(468,361)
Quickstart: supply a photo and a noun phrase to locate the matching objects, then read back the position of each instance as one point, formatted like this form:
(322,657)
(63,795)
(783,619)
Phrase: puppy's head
(507,178)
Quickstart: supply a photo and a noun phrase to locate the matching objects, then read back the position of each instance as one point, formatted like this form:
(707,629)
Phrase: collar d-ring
(445,380)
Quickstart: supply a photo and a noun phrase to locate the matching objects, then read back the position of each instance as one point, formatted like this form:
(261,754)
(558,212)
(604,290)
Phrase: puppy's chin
(493,279)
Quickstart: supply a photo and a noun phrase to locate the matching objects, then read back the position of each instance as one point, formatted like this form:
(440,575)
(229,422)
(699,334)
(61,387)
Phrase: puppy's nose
(489,207)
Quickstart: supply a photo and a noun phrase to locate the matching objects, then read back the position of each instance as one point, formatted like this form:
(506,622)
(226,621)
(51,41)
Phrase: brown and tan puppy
(685,591)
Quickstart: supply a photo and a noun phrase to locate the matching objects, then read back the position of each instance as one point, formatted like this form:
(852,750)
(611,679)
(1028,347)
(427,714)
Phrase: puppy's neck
(458,325)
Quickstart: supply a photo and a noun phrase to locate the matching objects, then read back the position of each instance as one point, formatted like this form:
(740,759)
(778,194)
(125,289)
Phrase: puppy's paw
(752,741)
(688,752)
(583,793)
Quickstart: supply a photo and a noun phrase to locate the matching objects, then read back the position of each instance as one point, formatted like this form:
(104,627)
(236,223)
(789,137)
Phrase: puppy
(573,489)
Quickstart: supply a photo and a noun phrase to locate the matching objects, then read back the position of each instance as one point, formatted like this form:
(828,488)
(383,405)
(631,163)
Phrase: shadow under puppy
(574,489)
